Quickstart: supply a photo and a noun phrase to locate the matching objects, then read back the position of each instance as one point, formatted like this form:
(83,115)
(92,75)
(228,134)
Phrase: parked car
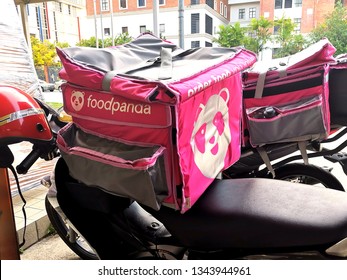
(58,84)
(46,86)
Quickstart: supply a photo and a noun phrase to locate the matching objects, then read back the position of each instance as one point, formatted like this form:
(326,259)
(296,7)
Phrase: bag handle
(282,72)
(165,71)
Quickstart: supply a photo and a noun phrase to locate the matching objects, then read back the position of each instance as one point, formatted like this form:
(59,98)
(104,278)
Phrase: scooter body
(235,218)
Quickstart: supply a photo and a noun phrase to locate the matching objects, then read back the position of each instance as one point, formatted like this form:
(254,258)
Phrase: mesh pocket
(299,121)
(123,169)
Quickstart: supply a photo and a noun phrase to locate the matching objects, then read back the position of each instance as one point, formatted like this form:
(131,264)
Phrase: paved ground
(49,248)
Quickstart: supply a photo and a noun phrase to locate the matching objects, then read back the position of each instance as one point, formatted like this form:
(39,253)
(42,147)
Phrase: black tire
(79,247)
(308,174)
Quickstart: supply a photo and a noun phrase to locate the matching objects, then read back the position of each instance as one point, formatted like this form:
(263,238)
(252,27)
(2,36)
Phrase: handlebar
(30,159)
(46,151)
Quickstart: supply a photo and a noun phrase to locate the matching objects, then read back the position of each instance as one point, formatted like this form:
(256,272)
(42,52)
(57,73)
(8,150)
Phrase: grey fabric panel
(77,137)
(125,57)
(147,186)
(141,59)
(185,64)
(106,82)
(304,125)
(166,64)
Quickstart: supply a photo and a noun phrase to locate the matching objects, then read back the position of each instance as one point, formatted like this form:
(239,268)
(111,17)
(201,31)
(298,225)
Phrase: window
(141,3)
(41,22)
(123,4)
(161,2)
(107,31)
(162,28)
(278,4)
(242,13)
(104,5)
(195,23)
(252,34)
(252,12)
(297,22)
(195,44)
(221,8)
(143,28)
(125,29)
(194,2)
(297,3)
(55,27)
(225,11)
(208,24)
(69,9)
(208,44)
(210,3)
(288,3)
(276,29)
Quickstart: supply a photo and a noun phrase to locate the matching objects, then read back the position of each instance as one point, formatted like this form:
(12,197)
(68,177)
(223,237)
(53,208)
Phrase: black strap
(24,203)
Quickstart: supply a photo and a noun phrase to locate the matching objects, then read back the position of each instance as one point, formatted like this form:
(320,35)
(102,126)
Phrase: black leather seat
(260,213)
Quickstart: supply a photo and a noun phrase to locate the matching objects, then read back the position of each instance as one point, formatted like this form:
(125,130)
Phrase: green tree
(253,37)
(289,42)
(91,42)
(259,33)
(334,28)
(119,40)
(230,35)
(44,54)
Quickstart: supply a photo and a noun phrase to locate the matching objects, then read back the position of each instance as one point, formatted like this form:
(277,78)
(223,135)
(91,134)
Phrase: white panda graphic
(77,100)
(211,135)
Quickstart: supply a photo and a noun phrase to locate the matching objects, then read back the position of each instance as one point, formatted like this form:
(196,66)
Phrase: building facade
(243,11)
(306,14)
(56,21)
(200,19)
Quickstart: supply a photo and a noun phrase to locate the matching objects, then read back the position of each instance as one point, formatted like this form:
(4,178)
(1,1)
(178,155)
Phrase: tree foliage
(119,40)
(253,37)
(289,42)
(43,52)
(260,31)
(230,35)
(334,28)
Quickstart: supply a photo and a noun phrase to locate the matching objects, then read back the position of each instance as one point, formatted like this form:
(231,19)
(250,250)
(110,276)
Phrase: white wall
(234,12)
(169,17)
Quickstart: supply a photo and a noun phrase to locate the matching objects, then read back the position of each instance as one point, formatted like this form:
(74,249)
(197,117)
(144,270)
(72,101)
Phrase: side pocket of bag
(123,169)
(299,121)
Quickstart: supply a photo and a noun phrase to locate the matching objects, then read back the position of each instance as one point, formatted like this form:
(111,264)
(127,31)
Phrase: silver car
(46,86)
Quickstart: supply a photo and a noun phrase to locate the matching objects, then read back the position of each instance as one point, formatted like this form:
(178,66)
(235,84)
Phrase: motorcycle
(289,165)
(246,217)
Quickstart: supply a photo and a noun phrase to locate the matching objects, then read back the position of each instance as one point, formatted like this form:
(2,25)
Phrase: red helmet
(21,118)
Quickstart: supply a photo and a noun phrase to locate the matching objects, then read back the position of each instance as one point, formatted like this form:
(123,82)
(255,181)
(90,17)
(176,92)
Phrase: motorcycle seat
(260,213)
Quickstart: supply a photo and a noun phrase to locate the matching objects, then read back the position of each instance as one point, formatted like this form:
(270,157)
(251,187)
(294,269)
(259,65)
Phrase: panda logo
(77,100)
(211,135)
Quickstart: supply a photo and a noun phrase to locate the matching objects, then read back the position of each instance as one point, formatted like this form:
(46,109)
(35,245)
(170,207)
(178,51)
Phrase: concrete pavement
(54,96)
(49,248)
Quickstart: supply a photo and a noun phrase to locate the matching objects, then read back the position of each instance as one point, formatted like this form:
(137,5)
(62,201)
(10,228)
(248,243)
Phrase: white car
(46,86)
(58,84)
